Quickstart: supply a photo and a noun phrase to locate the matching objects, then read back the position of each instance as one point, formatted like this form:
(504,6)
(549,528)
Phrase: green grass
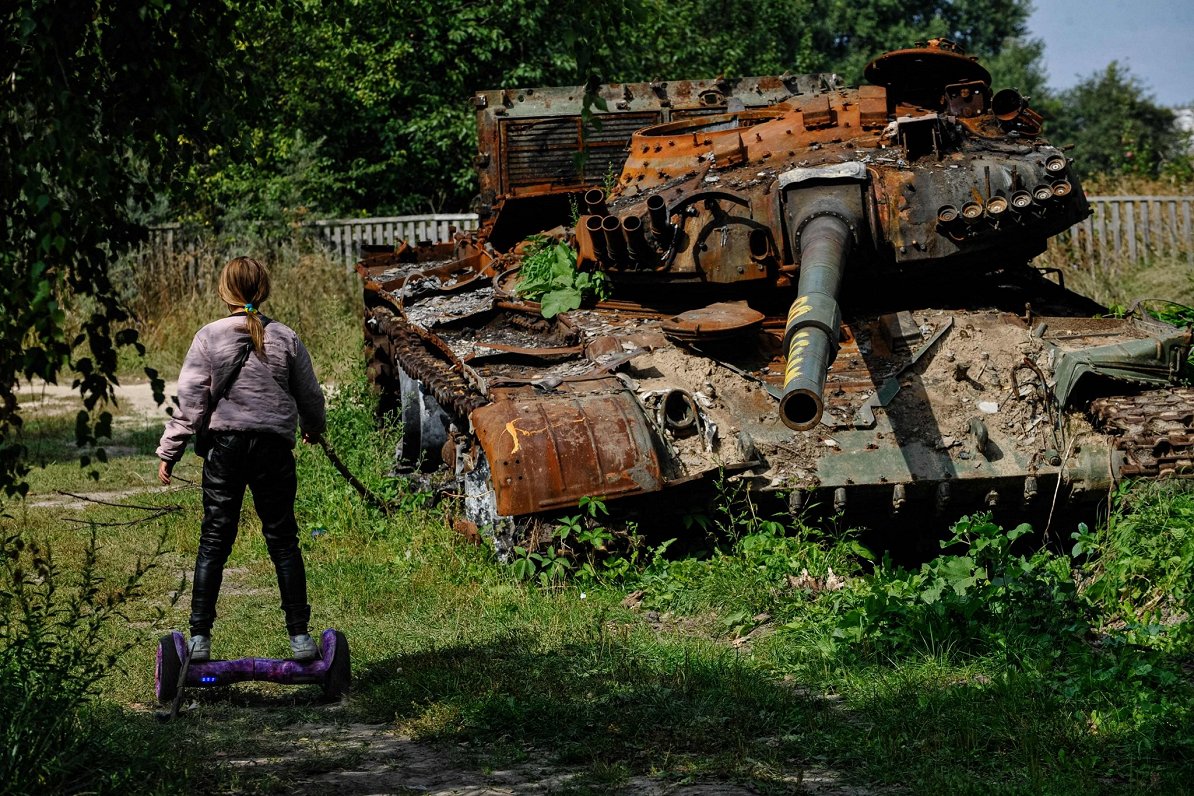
(1074,679)
(451,649)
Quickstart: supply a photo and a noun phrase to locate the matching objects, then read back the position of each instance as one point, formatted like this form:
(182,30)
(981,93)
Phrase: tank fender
(548,451)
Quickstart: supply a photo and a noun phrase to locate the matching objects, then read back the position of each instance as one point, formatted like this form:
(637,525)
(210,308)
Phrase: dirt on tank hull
(819,292)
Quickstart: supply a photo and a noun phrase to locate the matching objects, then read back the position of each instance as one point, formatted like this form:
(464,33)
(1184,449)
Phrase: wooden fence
(346,236)
(1128,229)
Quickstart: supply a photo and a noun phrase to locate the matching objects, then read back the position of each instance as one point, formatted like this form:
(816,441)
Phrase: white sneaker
(303,648)
(200,648)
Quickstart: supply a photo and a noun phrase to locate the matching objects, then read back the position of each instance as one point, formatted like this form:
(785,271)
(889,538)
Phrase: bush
(55,648)
(975,600)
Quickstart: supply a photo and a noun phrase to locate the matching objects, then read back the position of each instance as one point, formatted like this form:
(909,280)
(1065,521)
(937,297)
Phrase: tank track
(1155,431)
(440,378)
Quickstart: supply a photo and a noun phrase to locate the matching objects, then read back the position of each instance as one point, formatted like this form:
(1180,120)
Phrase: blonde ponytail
(244,285)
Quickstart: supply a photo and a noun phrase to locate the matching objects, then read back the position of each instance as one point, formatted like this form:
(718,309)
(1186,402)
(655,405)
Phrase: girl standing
(248,381)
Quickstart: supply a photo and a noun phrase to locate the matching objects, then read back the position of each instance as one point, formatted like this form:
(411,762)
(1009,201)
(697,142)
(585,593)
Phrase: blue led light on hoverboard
(208,679)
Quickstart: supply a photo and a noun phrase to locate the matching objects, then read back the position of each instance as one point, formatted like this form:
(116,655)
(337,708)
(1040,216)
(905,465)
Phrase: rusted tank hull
(933,408)
(820,293)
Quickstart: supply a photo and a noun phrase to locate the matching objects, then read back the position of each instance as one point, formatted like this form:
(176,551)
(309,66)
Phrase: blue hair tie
(249,308)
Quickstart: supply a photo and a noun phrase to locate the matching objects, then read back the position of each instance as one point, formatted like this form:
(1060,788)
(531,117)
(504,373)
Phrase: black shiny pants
(265,464)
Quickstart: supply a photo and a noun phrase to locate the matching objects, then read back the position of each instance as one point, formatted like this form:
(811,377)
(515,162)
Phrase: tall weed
(55,648)
(1139,566)
(172,295)
(1121,282)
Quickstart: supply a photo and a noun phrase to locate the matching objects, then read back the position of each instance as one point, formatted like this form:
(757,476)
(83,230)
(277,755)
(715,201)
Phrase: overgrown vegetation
(55,652)
(1071,662)
(766,648)
(549,275)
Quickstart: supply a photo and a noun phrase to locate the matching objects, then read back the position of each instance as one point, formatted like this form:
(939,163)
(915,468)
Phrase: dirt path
(78,501)
(133,398)
(357,759)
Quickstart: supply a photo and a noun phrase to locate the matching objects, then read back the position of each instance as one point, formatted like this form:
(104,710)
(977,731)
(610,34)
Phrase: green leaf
(523,568)
(557,301)
(1019,530)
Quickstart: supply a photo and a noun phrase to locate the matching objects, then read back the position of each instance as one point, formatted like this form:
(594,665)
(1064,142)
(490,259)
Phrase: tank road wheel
(339,675)
(379,365)
(166,669)
(424,426)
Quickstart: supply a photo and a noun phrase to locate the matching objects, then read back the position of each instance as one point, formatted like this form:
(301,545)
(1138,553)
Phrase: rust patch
(714,322)
(549,451)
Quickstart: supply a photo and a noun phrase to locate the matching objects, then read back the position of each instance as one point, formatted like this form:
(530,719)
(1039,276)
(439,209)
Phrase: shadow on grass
(649,704)
(1013,734)
(679,708)
(51,439)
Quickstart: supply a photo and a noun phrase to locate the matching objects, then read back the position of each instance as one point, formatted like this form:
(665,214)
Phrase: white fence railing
(1122,228)
(346,236)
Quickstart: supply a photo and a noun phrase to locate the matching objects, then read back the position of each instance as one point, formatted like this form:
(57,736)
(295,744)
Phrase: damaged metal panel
(549,451)
(532,139)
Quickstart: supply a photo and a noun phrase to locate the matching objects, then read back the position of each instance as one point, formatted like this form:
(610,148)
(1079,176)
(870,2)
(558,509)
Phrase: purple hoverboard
(330,671)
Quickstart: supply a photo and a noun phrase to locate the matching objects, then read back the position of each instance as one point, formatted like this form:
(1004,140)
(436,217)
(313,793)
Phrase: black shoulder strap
(241,358)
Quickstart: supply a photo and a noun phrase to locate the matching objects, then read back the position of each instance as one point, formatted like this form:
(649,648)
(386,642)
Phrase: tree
(1017,65)
(102,104)
(1115,126)
(362,105)
(379,93)
(704,38)
(846,34)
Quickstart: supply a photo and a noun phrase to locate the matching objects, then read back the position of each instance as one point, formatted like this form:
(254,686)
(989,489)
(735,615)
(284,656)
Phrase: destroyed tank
(820,293)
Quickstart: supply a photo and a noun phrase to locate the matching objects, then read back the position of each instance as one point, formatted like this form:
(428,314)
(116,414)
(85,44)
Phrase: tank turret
(923,168)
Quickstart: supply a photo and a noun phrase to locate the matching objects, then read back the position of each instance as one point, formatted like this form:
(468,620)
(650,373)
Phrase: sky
(1153,38)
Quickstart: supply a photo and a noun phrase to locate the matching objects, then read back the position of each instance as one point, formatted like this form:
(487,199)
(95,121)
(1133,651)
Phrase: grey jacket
(273,395)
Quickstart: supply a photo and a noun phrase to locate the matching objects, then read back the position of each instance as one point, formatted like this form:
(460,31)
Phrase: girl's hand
(164,470)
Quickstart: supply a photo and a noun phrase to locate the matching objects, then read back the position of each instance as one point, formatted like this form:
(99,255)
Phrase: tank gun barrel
(814,320)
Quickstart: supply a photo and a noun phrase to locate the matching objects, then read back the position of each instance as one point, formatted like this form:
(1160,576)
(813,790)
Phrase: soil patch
(357,759)
(134,398)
